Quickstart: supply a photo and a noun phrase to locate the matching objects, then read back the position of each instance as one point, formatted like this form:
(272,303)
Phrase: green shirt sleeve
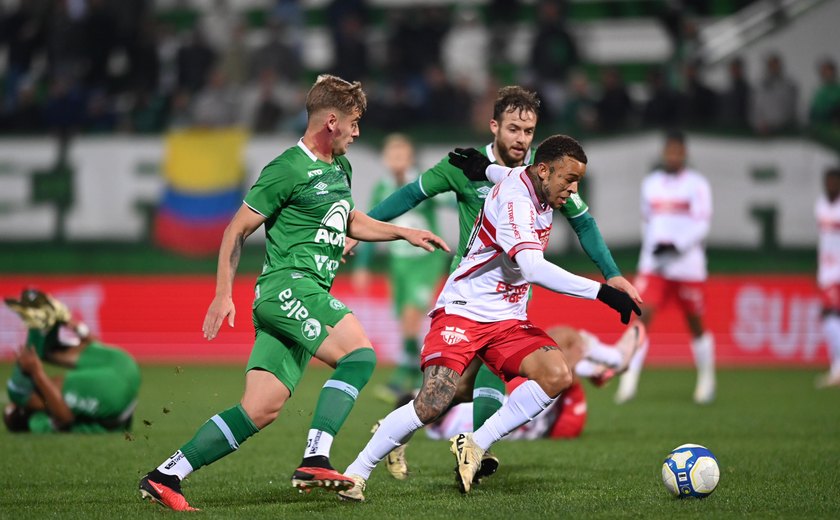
(402,200)
(441,178)
(272,189)
(593,244)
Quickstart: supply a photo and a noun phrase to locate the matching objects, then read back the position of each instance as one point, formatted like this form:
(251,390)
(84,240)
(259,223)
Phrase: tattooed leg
(439,386)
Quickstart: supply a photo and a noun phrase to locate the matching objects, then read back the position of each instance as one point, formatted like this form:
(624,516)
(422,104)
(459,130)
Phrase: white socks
(177,465)
(393,431)
(586,368)
(831,330)
(318,442)
(703,349)
(523,404)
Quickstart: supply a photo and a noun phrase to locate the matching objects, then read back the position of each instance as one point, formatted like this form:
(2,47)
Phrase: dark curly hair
(559,146)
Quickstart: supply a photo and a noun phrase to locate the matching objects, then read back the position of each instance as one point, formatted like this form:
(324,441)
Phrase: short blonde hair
(333,92)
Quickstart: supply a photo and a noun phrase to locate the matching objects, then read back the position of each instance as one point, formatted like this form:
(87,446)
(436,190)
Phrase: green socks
(219,436)
(339,394)
(488,396)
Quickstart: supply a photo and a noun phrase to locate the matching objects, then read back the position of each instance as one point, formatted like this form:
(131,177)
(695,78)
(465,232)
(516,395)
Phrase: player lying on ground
(98,392)
(565,417)
(481,314)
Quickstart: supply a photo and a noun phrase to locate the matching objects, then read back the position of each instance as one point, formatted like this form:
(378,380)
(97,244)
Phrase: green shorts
(414,281)
(290,327)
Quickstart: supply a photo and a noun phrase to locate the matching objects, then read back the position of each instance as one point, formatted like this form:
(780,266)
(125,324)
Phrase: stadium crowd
(102,66)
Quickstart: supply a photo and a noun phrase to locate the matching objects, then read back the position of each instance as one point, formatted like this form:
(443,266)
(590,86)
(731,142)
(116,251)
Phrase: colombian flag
(204,171)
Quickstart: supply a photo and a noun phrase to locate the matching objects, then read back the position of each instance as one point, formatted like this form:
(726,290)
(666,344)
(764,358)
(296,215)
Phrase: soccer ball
(690,471)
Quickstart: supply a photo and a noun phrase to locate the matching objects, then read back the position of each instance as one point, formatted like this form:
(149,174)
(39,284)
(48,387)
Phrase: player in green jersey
(413,275)
(513,125)
(303,199)
(98,392)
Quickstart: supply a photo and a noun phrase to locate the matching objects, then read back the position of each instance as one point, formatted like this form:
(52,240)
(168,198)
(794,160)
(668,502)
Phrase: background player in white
(828,276)
(676,211)
(481,314)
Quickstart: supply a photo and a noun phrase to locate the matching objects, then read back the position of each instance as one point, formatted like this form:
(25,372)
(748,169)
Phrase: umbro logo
(322,188)
(453,335)
(484,191)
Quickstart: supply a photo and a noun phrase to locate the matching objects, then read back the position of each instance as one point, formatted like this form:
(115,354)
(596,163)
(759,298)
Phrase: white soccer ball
(690,470)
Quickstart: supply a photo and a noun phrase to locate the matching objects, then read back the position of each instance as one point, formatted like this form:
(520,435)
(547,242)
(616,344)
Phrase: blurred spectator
(27,116)
(100,40)
(288,13)
(279,53)
(774,103)
(502,16)
(699,102)
(195,60)
(144,61)
(735,100)
(66,41)
(463,50)
(235,57)
(580,113)
(825,105)
(148,112)
(350,49)
(217,104)
(662,109)
(416,41)
(615,107)
(553,55)
(445,102)
(64,111)
(100,116)
(218,23)
(22,31)
(263,105)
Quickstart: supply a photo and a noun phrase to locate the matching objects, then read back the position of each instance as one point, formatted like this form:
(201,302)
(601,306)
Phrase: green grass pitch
(776,438)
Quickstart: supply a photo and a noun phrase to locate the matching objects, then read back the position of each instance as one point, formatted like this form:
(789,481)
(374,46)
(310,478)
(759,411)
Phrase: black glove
(471,162)
(664,248)
(620,301)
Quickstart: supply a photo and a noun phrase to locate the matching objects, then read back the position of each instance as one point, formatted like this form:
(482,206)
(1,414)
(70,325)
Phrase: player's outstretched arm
(245,222)
(404,199)
(362,227)
(536,269)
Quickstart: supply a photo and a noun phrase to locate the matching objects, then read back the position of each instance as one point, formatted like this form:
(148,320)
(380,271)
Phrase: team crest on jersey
(311,328)
(336,305)
(453,335)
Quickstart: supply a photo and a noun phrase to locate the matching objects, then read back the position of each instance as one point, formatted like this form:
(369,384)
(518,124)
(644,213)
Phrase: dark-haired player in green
(98,392)
(513,125)
(303,199)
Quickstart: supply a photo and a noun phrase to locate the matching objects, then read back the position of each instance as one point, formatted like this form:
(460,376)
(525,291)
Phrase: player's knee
(555,378)
(430,405)
(356,368)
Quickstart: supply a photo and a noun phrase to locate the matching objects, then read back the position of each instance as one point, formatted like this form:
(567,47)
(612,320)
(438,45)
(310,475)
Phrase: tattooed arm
(439,385)
(245,222)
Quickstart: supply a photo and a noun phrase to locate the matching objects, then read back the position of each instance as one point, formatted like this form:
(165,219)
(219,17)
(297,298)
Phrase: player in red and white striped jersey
(481,314)
(676,213)
(828,276)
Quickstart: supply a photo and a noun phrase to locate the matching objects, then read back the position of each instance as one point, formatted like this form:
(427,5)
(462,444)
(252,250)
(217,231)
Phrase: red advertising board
(756,320)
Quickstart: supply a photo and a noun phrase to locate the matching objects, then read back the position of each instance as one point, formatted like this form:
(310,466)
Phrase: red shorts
(830,298)
(454,341)
(657,291)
